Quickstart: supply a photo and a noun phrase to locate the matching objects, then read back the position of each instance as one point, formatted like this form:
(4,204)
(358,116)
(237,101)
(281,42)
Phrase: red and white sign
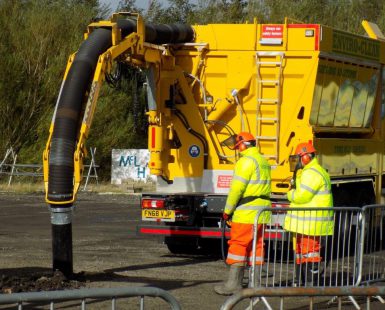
(224,181)
(272,31)
(216,181)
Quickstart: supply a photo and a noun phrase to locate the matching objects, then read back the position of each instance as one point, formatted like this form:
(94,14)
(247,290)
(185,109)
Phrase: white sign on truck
(130,164)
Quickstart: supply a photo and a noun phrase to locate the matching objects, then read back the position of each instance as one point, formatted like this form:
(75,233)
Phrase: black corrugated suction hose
(73,96)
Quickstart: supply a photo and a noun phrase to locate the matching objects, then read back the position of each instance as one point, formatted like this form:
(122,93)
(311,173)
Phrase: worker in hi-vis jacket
(249,192)
(311,189)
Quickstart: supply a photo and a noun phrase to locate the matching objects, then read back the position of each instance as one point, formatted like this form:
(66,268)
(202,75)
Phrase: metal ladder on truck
(269,85)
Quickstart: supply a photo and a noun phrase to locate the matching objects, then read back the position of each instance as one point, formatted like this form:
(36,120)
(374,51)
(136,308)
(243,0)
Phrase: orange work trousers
(241,245)
(307,249)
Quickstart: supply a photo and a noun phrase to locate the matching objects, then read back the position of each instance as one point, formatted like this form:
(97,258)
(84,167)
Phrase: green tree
(179,11)
(37,37)
(342,14)
(120,121)
(128,6)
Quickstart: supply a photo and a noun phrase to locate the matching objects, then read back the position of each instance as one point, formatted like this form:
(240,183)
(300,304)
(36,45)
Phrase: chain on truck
(285,83)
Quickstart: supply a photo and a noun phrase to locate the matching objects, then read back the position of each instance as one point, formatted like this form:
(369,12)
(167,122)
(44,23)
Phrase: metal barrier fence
(102,294)
(13,169)
(353,255)
(312,295)
(339,265)
(372,253)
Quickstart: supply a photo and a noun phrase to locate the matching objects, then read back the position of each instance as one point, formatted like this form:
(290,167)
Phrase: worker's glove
(292,183)
(225,216)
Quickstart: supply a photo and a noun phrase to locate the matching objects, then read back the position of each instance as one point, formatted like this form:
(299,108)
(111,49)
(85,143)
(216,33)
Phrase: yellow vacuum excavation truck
(285,83)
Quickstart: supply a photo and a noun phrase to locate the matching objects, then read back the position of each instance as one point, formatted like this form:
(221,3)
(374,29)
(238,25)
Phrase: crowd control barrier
(84,295)
(311,295)
(352,255)
(372,252)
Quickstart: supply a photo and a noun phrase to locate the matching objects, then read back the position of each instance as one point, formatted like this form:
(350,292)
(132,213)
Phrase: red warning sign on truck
(272,31)
(224,181)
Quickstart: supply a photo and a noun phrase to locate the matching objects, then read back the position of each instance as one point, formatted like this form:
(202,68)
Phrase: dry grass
(103,187)
(127,187)
(22,187)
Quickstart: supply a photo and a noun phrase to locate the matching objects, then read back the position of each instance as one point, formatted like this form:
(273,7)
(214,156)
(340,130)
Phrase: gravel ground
(107,253)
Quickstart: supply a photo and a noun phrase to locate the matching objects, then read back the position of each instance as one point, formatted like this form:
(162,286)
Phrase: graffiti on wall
(130,164)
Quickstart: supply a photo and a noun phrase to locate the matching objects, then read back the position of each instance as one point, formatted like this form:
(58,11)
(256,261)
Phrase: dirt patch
(39,282)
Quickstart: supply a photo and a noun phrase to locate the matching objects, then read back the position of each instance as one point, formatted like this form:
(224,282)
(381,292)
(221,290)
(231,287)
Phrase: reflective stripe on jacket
(313,190)
(251,178)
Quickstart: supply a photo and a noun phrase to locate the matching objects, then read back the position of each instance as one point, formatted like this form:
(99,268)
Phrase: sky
(140,3)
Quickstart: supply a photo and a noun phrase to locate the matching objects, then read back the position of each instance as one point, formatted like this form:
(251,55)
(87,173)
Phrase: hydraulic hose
(223,240)
(73,96)
(67,120)
(196,134)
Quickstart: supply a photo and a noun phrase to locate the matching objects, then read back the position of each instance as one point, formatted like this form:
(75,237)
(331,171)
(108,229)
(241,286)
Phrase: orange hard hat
(304,148)
(243,137)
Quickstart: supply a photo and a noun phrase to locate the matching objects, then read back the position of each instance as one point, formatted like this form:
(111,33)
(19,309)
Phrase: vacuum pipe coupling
(61,216)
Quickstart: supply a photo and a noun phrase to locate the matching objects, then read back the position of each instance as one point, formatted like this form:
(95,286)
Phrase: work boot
(298,276)
(310,274)
(233,283)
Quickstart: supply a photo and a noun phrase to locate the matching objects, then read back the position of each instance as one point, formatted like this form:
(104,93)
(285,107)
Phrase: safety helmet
(306,152)
(241,138)
(304,148)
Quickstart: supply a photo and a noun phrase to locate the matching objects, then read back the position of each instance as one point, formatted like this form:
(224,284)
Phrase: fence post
(13,168)
(91,167)
(5,158)
(7,153)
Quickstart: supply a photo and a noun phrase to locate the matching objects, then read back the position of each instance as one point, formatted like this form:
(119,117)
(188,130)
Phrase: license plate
(156,215)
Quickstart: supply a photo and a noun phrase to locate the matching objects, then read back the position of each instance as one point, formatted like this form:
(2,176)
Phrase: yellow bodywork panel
(349,157)
(344,95)
(243,36)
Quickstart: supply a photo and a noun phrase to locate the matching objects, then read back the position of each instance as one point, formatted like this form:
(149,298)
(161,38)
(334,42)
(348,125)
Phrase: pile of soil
(37,282)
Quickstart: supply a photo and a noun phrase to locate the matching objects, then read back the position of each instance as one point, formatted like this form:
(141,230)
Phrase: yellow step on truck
(285,83)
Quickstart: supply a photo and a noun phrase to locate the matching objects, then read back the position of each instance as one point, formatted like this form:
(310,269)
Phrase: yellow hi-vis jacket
(252,178)
(313,190)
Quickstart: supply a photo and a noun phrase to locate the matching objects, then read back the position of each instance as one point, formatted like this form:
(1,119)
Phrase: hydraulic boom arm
(105,42)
